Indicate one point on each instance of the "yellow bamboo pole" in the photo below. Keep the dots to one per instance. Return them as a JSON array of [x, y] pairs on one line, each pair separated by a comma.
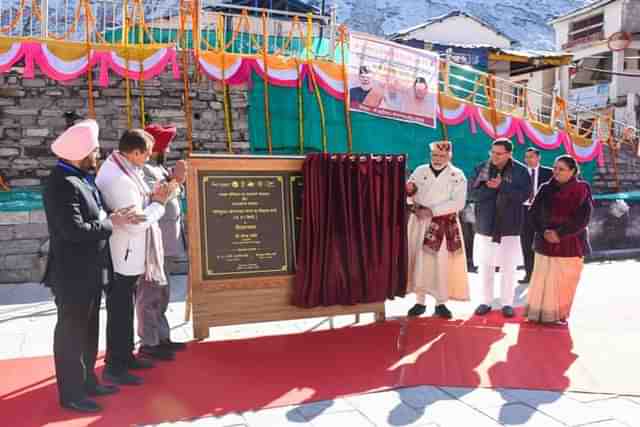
[[491, 94], [300, 108], [316, 89], [3, 185], [125, 45], [614, 152], [90, 101], [225, 86], [185, 76], [141, 62], [195, 31], [184, 51], [265, 56], [444, 69], [345, 82]]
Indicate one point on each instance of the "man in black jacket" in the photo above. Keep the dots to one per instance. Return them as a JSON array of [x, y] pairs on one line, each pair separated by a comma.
[[539, 175], [499, 187], [79, 263]]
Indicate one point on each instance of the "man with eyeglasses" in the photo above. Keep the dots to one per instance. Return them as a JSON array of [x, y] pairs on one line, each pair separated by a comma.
[[499, 187], [79, 264]]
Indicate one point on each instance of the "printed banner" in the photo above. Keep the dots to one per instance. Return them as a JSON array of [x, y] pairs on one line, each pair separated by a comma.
[[394, 81]]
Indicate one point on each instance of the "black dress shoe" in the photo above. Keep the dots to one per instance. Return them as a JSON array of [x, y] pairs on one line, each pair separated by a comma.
[[417, 310], [137, 363], [84, 405], [443, 311], [483, 309], [173, 346], [102, 390], [156, 352], [472, 269], [124, 378], [525, 279], [507, 311]]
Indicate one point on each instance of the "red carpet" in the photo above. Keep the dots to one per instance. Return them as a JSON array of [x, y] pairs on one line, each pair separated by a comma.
[[221, 377]]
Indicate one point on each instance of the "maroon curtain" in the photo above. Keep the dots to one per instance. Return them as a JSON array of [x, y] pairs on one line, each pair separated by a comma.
[[353, 239]]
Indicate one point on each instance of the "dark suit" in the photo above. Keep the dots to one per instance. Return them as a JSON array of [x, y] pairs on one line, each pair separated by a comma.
[[79, 266], [528, 233], [494, 218]]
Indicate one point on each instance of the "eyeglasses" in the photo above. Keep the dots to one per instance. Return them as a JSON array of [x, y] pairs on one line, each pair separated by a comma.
[[497, 153]]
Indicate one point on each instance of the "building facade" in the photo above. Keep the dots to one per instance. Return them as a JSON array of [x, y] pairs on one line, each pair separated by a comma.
[[604, 39]]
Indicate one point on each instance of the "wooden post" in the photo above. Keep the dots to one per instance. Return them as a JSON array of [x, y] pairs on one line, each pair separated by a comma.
[[345, 83], [265, 58], [125, 45], [91, 106], [141, 67]]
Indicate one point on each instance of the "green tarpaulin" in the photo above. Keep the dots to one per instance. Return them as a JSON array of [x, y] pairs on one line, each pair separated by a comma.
[[370, 134], [629, 195], [31, 199], [21, 200]]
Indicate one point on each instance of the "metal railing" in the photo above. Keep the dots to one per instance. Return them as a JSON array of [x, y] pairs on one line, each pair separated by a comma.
[[241, 30], [247, 30], [467, 84]]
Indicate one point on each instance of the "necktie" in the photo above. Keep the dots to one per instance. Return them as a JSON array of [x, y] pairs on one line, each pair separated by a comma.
[[533, 185]]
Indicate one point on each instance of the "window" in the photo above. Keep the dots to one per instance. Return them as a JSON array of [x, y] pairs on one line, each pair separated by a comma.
[[591, 28], [518, 93], [632, 60]]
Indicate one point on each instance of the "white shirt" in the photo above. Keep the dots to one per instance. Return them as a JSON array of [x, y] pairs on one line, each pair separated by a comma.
[[444, 194], [533, 173]]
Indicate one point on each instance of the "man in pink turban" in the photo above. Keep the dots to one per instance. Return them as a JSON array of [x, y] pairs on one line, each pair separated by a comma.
[[79, 265]]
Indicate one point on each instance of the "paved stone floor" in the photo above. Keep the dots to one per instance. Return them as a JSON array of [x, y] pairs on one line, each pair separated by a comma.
[[607, 298]]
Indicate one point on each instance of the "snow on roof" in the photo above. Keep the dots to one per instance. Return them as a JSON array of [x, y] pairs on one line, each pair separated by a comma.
[[444, 17], [596, 4]]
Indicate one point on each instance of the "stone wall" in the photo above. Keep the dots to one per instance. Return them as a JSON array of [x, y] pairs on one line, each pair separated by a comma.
[[23, 246], [628, 165], [32, 115], [631, 17]]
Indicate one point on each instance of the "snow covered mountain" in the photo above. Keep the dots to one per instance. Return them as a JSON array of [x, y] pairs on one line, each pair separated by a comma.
[[522, 20]]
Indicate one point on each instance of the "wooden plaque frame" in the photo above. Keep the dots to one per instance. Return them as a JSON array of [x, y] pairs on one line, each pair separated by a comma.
[[232, 301]]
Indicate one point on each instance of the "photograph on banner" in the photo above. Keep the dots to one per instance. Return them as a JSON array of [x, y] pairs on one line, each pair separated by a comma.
[[393, 81]]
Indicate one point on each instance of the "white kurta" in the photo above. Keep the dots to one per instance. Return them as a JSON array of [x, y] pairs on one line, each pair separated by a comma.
[[507, 253], [488, 255], [442, 275]]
